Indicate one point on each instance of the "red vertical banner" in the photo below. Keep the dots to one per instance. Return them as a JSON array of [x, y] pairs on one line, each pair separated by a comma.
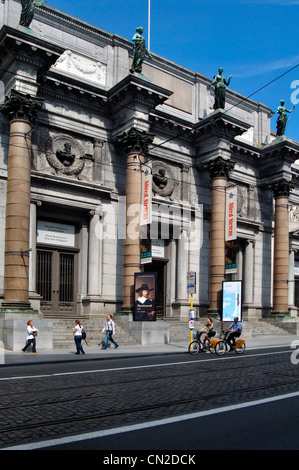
[[231, 214]]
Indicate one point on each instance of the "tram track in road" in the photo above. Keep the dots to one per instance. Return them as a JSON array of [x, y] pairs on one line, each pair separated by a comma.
[[41, 425], [59, 407], [203, 366]]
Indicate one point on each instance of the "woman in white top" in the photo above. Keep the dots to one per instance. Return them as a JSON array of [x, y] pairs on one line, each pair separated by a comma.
[[77, 330], [31, 335]]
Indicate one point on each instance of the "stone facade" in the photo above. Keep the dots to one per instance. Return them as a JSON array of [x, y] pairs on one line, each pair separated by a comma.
[[81, 177]]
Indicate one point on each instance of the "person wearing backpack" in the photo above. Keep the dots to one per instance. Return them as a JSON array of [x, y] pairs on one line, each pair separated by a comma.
[[77, 330], [109, 329]]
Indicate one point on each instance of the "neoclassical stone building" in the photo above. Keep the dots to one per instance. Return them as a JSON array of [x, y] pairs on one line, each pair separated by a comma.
[[78, 132]]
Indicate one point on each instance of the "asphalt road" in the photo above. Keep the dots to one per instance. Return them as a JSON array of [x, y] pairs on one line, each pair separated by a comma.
[[266, 426], [174, 402]]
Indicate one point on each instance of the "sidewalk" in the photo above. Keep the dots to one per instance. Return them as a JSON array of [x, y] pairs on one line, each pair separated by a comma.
[[62, 355]]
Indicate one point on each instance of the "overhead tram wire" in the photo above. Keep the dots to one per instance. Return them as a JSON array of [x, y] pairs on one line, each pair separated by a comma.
[[239, 102], [262, 88], [180, 133]]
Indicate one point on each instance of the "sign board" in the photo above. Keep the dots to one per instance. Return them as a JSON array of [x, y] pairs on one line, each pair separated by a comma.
[[191, 319], [191, 282], [52, 233], [158, 248], [231, 300]]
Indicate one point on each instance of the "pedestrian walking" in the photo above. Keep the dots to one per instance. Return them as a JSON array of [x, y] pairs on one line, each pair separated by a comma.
[[77, 330], [31, 337], [109, 329]]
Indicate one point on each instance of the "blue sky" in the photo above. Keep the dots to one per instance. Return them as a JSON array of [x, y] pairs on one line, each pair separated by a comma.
[[254, 40]]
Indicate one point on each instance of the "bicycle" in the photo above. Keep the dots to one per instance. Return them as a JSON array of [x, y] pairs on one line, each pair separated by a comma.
[[214, 345], [239, 347]]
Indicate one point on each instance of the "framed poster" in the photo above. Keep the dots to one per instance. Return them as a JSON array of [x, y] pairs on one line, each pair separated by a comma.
[[145, 297], [231, 300]]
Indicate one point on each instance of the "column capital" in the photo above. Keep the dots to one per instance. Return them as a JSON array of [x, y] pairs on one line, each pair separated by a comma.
[[135, 141], [22, 106], [281, 188], [219, 167]]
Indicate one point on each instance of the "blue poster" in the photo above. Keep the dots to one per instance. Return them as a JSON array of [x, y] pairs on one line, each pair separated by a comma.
[[232, 300]]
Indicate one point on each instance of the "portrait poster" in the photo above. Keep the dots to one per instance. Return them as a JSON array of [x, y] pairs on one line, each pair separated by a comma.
[[145, 297], [232, 300]]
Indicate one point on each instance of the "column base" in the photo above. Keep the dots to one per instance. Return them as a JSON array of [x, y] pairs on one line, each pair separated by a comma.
[[279, 314], [125, 311], [16, 307]]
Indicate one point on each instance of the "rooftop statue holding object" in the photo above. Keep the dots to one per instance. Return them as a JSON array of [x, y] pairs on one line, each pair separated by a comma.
[[220, 84], [27, 13], [140, 51], [282, 118]]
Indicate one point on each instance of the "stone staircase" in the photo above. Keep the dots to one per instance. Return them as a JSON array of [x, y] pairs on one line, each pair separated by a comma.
[[179, 332], [63, 337], [270, 327]]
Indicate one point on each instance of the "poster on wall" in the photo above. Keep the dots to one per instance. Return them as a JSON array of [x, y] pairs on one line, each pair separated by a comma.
[[145, 297], [145, 244], [231, 252], [231, 300]]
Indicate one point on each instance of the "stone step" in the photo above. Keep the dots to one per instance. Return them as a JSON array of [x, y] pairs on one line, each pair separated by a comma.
[[178, 330], [252, 329], [63, 337]]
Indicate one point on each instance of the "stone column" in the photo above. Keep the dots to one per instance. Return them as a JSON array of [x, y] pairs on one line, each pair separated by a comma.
[[248, 274], [135, 143], [21, 110], [98, 173], [182, 268], [95, 260], [281, 191], [32, 244], [219, 169], [291, 278]]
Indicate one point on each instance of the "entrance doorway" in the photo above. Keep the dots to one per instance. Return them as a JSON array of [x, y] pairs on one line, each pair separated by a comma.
[[159, 267], [55, 281]]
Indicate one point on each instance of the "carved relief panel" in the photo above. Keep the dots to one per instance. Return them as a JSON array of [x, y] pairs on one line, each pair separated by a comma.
[[164, 180], [65, 155]]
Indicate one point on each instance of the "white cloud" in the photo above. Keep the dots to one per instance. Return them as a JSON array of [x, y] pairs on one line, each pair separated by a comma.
[[285, 3], [252, 70]]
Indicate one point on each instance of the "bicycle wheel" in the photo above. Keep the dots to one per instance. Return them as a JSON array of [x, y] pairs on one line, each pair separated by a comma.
[[194, 348], [220, 348], [241, 349]]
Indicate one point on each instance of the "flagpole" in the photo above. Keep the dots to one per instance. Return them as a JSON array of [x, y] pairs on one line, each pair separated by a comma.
[[149, 26]]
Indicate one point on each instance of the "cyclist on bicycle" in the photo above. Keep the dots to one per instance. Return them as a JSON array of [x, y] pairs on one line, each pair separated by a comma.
[[236, 330], [210, 329]]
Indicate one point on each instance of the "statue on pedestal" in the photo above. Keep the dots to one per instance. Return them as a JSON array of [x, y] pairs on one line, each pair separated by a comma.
[[220, 84], [140, 51], [27, 13], [282, 118]]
